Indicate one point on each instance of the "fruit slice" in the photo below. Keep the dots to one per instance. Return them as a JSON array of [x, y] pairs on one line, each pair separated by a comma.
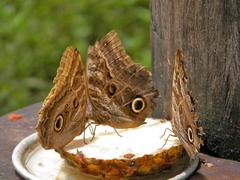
[[136, 152]]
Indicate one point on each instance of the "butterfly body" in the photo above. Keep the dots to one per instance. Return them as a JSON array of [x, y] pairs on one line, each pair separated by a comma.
[[114, 91], [63, 113], [184, 114], [114, 82]]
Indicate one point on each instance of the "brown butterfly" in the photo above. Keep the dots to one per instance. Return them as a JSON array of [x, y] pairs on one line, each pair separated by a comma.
[[115, 92], [184, 115]]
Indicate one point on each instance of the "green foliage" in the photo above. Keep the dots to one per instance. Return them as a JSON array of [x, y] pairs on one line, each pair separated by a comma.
[[34, 34]]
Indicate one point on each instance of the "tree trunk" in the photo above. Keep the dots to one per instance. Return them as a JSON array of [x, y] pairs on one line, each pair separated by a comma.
[[208, 33]]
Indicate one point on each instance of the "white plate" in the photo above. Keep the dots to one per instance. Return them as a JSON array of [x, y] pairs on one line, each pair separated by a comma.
[[33, 162]]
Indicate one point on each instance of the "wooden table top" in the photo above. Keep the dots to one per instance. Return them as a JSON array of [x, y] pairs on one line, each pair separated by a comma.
[[12, 132]]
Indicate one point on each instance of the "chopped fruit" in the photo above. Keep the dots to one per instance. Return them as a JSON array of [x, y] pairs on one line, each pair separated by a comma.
[[113, 157], [145, 165]]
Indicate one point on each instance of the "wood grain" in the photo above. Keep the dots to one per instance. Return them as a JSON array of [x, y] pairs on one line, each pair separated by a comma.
[[208, 33]]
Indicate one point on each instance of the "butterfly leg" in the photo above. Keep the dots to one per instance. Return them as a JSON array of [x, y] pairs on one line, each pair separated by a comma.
[[93, 132], [165, 132], [88, 126], [117, 132], [84, 139], [170, 135]]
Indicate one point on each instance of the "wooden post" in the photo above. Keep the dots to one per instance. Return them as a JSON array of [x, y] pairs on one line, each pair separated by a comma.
[[208, 33]]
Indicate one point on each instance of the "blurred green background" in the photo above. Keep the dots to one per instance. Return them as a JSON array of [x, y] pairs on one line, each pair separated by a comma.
[[34, 34]]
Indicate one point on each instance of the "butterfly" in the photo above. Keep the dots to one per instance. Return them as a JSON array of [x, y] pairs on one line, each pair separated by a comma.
[[184, 114], [113, 91]]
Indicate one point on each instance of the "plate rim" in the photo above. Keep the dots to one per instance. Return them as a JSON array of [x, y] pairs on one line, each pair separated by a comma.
[[18, 154], [22, 146]]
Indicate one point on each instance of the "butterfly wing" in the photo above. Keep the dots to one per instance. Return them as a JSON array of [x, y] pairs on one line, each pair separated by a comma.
[[184, 115], [121, 92], [63, 113]]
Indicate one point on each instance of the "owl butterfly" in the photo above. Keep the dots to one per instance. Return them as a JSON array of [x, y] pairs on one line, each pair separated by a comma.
[[114, 91], [184, 115]]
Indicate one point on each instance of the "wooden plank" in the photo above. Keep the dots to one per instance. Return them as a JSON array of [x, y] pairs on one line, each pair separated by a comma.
[[12, 132], [208, 33]]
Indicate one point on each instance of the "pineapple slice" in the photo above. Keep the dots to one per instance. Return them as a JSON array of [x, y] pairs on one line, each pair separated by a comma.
[[128, 153]]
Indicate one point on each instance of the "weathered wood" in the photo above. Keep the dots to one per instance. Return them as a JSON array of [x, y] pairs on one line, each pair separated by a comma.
[[12, 132], [208, 33]]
